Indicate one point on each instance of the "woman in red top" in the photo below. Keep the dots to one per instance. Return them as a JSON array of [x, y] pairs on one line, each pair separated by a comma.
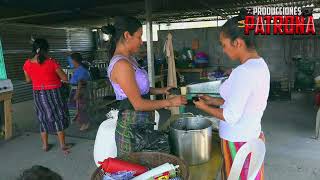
[[46, 75]]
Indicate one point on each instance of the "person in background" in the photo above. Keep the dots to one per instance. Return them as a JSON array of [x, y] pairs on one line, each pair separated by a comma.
[[81, 94], [39, 173], [131, 84], [46, 75], [244, 96]]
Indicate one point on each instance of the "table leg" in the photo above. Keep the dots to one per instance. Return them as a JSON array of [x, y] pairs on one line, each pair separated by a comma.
[[7, 119], [317, 124]]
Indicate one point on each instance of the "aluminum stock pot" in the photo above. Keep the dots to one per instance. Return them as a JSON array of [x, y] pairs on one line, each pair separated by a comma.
[[191, 139]]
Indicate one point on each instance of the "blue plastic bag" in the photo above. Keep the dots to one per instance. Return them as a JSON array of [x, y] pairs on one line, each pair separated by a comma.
[[126, 175], [69, 60]]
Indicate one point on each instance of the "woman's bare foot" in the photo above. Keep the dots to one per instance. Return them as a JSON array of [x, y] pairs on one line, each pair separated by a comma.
[[66, 148], [47, 147]]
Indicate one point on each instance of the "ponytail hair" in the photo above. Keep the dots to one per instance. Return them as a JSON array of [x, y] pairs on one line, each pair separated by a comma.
[[233, 29], [40, 47], [116, 31]]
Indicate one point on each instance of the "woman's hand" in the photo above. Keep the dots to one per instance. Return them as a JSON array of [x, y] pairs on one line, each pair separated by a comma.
[[177, 101], [207, 99], [201, 104], [62, 75], [158, 91], [166, 90], [216, 112], [211, 101]]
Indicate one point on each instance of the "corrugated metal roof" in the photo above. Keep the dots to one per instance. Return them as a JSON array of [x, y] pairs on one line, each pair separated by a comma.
[[162, 10]]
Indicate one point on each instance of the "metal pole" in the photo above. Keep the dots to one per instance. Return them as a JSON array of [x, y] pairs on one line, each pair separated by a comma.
[[148, 7]]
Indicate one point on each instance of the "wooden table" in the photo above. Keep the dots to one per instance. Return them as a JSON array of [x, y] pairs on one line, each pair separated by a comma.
[[209, 170], [191, 70], [6, 98]]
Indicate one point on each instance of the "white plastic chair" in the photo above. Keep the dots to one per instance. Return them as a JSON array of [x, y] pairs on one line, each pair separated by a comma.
[[257, 149]]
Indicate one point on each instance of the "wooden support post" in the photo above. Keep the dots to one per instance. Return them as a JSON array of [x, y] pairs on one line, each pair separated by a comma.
[[6, 98]]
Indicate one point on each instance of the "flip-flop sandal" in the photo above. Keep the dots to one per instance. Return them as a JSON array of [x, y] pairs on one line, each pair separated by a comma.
[[48, 148], [67, 147]]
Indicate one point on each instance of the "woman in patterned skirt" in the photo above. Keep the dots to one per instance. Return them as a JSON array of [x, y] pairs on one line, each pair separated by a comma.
[[46, 75], [131, 84], [81, 94], [244, 96]]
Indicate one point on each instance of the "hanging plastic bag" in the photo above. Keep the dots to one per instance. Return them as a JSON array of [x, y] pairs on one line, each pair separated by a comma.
[[145, 138], [105, 144], [119, 175]]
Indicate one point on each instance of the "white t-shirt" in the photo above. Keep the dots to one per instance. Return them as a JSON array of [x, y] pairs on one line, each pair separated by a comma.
[[245, 93]]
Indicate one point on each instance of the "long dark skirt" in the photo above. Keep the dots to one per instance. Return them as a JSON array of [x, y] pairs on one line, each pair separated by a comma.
[[72, 104], [79, 107], [52, 110]]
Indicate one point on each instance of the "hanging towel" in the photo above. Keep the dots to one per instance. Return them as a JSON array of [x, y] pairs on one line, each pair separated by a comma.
[[172, 77]]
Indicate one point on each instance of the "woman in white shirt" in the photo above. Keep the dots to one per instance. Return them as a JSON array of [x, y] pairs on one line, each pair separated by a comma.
[[244, 96]]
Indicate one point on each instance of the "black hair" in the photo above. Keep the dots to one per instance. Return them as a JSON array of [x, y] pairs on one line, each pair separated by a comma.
[[121, 25], [234, 29], [78, 58], [39, 173], [40, 47]]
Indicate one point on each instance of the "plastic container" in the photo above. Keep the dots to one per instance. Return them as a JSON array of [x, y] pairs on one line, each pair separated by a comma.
[[113, 165], [167, 170], [69, 60], [201, 55]]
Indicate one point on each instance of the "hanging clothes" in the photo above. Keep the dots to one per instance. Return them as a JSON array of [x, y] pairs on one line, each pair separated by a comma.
[[172, 77]]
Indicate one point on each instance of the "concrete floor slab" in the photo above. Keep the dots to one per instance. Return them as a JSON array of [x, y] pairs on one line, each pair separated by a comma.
[[25, 151], [292, 153]]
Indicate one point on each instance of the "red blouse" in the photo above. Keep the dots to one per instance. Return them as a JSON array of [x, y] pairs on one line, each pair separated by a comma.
[[43, 76]]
